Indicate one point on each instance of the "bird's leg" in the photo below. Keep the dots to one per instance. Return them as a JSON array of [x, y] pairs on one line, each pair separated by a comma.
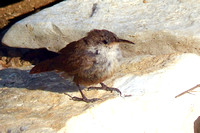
[[104, 87], [84, 98]]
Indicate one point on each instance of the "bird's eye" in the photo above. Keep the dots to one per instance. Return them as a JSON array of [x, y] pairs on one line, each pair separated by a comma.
[[105, 42]]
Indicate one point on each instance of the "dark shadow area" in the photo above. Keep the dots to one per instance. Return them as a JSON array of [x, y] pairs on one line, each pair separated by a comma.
[[37, 55], [34, 56], [48, 81], [8, 2], [197, 125]]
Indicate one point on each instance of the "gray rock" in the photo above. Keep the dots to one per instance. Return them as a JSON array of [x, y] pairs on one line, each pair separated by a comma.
[[174, 23]]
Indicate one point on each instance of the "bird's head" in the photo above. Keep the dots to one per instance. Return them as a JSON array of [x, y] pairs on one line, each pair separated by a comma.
[[105, 37]]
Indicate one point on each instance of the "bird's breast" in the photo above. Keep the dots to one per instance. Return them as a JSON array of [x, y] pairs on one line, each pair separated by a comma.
[[107, 60]]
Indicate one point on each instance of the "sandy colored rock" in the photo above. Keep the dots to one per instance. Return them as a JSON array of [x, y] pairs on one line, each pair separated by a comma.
[[13, 62], [153, 108], [33, 111], [36, 103]]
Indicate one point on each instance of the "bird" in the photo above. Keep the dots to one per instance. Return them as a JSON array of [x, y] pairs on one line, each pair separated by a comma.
[[90, 60]]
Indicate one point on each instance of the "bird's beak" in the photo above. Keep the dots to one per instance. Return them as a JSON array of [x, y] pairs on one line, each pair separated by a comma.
[[121, 41]]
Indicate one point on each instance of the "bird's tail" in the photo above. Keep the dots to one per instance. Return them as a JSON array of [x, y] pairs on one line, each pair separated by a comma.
[[44, 66]]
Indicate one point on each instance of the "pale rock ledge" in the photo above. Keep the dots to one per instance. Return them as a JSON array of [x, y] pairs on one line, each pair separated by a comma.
[[152, 108]]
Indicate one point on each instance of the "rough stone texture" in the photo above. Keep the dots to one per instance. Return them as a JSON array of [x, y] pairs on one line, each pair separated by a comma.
[[13, 62], [158, 27], [36, 103], [152, 81], [154, 70]]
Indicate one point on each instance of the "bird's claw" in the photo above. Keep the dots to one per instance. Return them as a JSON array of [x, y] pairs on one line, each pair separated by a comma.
[[104, 87], [83, 99]]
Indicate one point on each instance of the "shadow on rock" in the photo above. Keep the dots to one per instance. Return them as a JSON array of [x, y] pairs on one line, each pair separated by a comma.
[[8, 2], [49, 81]]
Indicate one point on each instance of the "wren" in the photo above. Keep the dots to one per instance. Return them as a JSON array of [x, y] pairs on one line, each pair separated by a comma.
[[90, 60]]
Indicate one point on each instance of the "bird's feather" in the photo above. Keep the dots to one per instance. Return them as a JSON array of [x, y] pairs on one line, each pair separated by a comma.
[[71, 59]]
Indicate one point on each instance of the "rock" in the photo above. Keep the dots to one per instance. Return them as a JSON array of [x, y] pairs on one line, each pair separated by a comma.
[[13, 62], [153, 82], [157, 27], [154, 72]]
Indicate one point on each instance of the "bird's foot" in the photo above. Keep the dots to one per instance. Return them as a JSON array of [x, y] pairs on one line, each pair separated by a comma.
[[84, 99], [104, 87]]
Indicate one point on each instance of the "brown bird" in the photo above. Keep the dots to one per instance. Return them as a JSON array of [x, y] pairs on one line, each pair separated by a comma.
[[89, 61]]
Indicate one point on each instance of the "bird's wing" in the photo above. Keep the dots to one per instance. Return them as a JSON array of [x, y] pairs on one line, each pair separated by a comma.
[[73, 47], [71, 59], [69, 48], [69, 63], [74, 58], [74, 63]]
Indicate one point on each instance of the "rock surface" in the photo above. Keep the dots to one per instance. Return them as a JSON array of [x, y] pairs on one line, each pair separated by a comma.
[[153, 83], [157, 27], [155, 70], [11, 9]]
